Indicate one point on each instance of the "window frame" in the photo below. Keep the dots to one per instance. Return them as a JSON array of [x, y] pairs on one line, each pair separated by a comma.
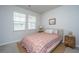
[[19, 21], [32, 22]]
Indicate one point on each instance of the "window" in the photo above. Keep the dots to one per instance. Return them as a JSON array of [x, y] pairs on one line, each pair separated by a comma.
[[31, 22], [19, 21]]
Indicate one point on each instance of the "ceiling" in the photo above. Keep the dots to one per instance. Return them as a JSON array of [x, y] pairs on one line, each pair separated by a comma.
[[39, 8]]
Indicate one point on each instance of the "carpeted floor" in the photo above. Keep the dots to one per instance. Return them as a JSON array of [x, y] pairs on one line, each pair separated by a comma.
[[13, 48], [9, 48]]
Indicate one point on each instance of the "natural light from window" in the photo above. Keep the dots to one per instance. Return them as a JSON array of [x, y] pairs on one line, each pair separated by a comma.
[[31, 22], [19, 21]]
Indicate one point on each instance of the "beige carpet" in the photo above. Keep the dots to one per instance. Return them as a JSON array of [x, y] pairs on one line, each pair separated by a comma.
[[59, 49]]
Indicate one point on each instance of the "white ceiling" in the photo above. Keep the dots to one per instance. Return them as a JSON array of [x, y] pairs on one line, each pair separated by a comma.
[[39, 8]]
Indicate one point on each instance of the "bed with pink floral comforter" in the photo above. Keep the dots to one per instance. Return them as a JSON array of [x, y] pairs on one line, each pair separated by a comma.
[[40, 42]]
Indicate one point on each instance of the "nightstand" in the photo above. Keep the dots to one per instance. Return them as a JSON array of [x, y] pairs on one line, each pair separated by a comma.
[[40, 31], [69, 41]]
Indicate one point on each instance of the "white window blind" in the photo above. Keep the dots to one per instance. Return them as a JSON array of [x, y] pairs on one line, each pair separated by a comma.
[[19, 21], [31, 22]]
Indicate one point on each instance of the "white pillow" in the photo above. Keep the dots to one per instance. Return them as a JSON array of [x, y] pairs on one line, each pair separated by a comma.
[[51, 31]]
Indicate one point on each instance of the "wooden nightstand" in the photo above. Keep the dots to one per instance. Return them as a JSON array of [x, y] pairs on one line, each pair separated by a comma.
[[69, 41]]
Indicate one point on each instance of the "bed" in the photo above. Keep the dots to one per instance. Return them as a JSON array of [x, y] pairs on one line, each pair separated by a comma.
[[43, 42]]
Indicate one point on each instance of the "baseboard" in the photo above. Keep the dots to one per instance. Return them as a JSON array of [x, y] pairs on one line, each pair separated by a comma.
[[9, 42]]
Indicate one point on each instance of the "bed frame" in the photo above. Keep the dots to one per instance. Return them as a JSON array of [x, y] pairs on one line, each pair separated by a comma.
[[23, 50]]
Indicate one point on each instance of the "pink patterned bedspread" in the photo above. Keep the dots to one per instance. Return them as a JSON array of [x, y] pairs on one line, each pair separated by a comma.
[[39, 42]]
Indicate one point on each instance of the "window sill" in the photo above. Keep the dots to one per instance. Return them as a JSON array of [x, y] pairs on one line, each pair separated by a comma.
[[17, 30]]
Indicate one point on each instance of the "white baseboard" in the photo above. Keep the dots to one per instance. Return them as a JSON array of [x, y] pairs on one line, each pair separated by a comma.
[[9, 42]]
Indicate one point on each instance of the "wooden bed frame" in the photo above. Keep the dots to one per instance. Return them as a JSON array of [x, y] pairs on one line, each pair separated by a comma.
[[20, 48]]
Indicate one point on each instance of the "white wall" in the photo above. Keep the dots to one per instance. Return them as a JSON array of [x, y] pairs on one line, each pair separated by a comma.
[[67, 18], [6, 24]]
